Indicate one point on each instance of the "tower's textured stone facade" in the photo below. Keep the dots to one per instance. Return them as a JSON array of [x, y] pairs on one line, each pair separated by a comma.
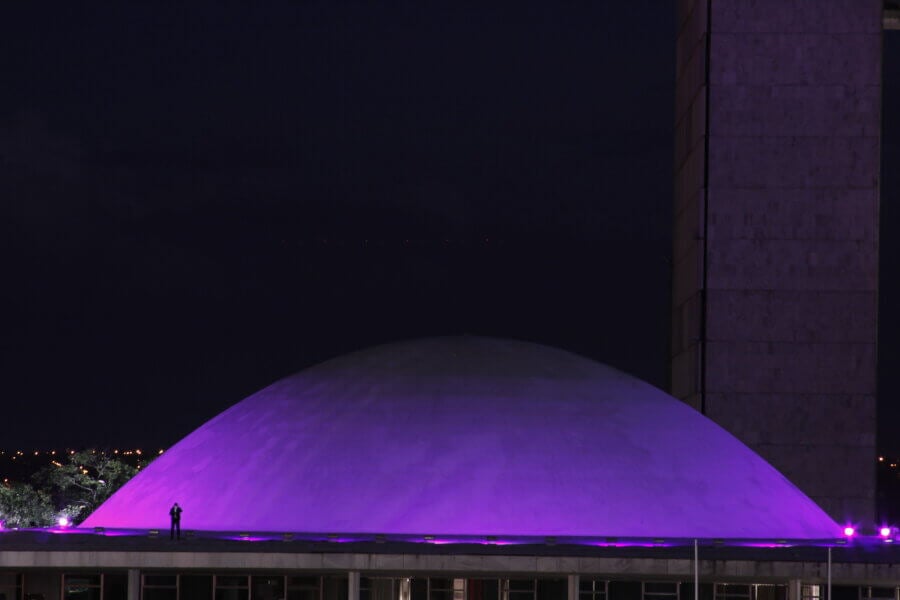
[[776, 234]]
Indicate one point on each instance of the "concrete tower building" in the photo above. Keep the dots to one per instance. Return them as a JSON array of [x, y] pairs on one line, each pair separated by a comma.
[[776, 234]]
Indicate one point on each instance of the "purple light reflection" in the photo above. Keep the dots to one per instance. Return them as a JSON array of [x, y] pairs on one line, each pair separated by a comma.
[[875, 539], [250, 538], [65, 530], [122, 533]]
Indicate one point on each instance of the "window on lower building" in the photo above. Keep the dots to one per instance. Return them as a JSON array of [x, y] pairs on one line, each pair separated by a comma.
[[659, 590], [334, 588], [115, 586], [810, 592], [624, 590], [159, 586], [231, 587], [446, 589], [305, 587], [593, 589], [764, 591], [81, 586], [418, 588], [379, 588], [732, 591], [482, 589], [519, 589], [877, 593], [267, 587], [10, 586], [195, 586], [552, 589]]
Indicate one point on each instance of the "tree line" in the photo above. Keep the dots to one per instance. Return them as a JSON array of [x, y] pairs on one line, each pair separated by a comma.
[[70, 490]]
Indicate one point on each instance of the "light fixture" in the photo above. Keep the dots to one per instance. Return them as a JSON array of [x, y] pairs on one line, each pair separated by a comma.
[[849, 531]]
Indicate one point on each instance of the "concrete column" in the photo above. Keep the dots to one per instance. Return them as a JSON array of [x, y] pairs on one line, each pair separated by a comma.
[[775, 281], [134, 584], [574, 581], [794, 589], [353, 585]]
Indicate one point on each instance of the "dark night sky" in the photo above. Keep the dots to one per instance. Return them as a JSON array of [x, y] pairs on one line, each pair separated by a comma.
[[198, 201]]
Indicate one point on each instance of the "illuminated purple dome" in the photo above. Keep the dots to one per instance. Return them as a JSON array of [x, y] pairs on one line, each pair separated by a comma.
[[466, 436]]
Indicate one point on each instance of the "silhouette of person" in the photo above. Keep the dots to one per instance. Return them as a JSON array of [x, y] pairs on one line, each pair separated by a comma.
[[175, 514]]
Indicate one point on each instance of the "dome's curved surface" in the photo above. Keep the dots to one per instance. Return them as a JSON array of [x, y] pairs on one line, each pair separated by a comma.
[[466, 436]]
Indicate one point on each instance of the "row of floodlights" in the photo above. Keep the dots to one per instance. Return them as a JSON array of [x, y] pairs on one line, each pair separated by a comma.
[[885, 532]]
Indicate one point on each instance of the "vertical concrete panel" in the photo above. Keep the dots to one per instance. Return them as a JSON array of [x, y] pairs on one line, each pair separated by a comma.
[[690, 198], [572, 583], [134, 584], [775, 277], [353, 585]]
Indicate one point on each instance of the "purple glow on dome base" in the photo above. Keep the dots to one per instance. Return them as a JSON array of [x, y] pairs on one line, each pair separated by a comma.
[[466, 437], [870, 542]]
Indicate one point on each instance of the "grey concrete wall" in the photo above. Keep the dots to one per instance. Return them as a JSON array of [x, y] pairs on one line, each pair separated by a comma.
[[776, 234], [48, 566]]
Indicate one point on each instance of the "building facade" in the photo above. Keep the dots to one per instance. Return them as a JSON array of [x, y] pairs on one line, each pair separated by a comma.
[[776, 234], [97, 567]]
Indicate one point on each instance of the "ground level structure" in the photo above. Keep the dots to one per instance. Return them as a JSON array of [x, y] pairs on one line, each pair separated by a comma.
[[118, 565]]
